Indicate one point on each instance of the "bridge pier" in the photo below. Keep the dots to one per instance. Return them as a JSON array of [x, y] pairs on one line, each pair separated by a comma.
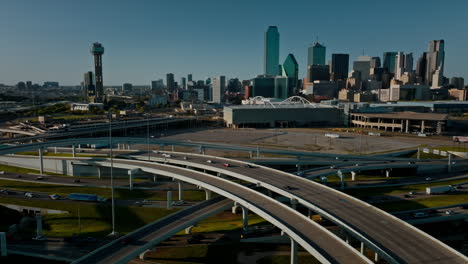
[[3, 245], [342, 179], [41, 161], [181, 191], [353, 176], [74, 151], [449, 167], [387, 173], [362, 248], [293, 251], [143, 254], [376, 257], [245, 217], [155, 178], [99, 172], [131, 175], [39, 224], [188, 230], [207, 194], [169, 199]]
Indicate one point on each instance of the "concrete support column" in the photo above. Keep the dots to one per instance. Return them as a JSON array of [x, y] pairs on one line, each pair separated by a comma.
[[234, 208], [173, 148], [407, 126], [376, 257], [419, 154], [293, 252], [245, 218], [169, 199], [309, 213], [422, 126], [353, 175], [342, 179], [143, 254], [55, 150], [362, 248], [41, 162], [39, 224], [449, 167], [387, 173], [181, 191], [99, 172], [251, 154], [347, 239], [131, 175], [188, 230], [155, 178], [3, 244], [118, 147], [74, 151], [207, 194]]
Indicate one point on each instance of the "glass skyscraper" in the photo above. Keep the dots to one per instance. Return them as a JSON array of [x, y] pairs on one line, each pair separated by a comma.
[[271, 60], [291, 68], [316, 54], [339, 66], [389, 61]]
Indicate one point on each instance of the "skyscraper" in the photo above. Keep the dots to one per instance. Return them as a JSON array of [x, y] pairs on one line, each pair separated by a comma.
[[170, 82], [403, 63], [362, 65], [97, 50], [271, 59], [435, 57], [88, 86], [219, 87], [183, 83], [291, 68], [339, 66], [389, 61], [316, 54], [157, 85], [421, 68], [189, 77], [375, 62]]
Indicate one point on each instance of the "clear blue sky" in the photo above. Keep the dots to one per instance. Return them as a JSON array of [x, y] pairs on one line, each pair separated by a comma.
[[43, 40]]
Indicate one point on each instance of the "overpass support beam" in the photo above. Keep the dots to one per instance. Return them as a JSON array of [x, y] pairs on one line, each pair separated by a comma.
[[169, 199], [245, 217], [449, 167], [39, 224], [131, 175], [181, 191], [293, 252], [41, 161], [143, 254], [207, 194], [353, 175], [74, 150], [3, 245]]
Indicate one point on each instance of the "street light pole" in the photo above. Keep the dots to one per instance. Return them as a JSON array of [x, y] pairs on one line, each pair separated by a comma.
[[148, 138], [112, 174]]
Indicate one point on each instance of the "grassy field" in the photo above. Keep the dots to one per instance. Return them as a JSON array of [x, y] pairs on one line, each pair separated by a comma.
[[95, 218], [399, 189], [226, 222], [105, 192], [435, 201]]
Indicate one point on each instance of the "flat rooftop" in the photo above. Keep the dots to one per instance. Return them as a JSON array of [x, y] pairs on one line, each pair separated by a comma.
[[406, 115]]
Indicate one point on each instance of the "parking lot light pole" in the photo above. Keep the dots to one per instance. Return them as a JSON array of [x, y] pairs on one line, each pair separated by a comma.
[[112, 175]]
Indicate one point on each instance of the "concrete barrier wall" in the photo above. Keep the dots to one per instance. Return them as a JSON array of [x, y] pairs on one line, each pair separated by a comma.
[[33, 162]]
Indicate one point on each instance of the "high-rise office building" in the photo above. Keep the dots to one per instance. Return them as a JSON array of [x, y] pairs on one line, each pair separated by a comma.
[[263, 85], [435, 57], [403, 63], [157, 85], [291, 68], [170, 84], [339, 66], [271, 58], [317, 72], [375, 62], [88, 86], [183, 83], [389, 61], [421, 68], [28, 85], [363, 65], [189, 77], [316, 54], [97, 50], [21, 86], [219, 88]]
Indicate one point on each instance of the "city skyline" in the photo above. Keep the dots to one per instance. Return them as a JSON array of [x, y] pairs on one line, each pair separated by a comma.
[[138, 51]]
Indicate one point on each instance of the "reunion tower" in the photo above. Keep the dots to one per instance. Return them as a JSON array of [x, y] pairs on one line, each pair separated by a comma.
[[97, 50]]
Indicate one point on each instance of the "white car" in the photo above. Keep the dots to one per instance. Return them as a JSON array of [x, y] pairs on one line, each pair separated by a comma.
[[29, 195], [54, 196], [428, 179], [209, 161]]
